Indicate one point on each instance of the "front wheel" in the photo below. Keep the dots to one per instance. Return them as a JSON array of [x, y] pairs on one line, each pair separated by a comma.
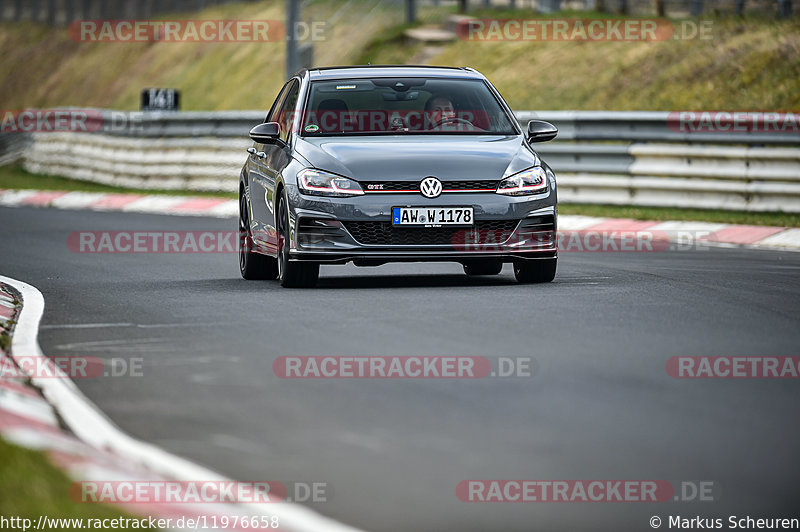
[[535, 271], [292, 274]]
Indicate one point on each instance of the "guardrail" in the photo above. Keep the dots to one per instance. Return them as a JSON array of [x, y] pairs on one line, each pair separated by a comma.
[[628, 158]]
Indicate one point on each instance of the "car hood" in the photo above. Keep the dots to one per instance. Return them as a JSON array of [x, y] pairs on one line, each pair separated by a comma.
[[410, 158]]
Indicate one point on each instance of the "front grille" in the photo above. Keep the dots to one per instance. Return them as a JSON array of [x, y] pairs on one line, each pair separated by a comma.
[[390, 186], [385, 234], [413, 186], [470, 185]]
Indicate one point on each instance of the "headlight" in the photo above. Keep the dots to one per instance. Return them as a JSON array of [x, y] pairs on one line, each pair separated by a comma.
[[319, 183], [530, 181]]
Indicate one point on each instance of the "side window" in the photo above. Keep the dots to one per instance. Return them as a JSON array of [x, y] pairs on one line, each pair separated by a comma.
[[272, 115], [288, 116]]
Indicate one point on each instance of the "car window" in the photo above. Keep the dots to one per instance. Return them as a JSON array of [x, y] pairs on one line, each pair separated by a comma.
[[272, 115], [404, 105], [287, 113]]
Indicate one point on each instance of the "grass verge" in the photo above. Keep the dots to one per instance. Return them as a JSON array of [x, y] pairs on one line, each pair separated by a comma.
[[33, 487], [17, 178], [747, 63], [780, 219]]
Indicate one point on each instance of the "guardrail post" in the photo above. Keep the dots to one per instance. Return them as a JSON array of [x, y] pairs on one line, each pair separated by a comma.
[[696, 8], [785, 8], [69, 11], [411, 11], [292, 16]]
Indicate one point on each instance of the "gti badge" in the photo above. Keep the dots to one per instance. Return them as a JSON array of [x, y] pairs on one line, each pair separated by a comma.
[[430, 187]]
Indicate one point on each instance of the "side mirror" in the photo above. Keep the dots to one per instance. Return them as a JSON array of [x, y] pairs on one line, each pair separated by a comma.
[[265, 132], [541, 131]]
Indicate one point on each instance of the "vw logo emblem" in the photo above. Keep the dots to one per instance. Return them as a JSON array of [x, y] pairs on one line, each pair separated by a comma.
[[430, 187]]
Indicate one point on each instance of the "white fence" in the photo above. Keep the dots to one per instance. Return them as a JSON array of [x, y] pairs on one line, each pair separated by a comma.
[[625, 158], [174, 163]]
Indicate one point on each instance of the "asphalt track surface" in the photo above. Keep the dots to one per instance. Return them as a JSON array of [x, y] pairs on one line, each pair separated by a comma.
[[600, 404]]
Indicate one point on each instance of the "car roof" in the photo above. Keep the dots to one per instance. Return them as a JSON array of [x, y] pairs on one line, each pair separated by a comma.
[[371, 71]]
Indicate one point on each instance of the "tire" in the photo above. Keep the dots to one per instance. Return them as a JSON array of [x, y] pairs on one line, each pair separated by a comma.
[[252, 265], [292, 274], [489, 267], [535, 271]]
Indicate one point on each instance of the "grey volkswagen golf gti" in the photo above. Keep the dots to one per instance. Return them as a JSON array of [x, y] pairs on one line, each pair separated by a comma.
[[382, 164]]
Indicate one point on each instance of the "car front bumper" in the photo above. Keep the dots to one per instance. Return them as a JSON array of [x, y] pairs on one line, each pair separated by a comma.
[[518, 228]]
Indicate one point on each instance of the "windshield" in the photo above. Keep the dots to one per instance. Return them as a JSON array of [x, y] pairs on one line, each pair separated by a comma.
[[403, 105]]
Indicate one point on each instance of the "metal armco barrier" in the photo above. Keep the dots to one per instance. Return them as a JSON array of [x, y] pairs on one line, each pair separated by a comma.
[[624, 158]]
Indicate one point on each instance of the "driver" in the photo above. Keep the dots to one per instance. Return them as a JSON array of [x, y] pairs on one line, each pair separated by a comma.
[[439, 109]]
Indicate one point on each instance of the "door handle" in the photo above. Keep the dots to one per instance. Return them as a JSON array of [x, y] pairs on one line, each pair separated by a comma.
[[251, 151]]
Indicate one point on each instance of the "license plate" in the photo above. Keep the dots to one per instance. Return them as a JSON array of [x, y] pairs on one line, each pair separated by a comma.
[[432, 217]]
